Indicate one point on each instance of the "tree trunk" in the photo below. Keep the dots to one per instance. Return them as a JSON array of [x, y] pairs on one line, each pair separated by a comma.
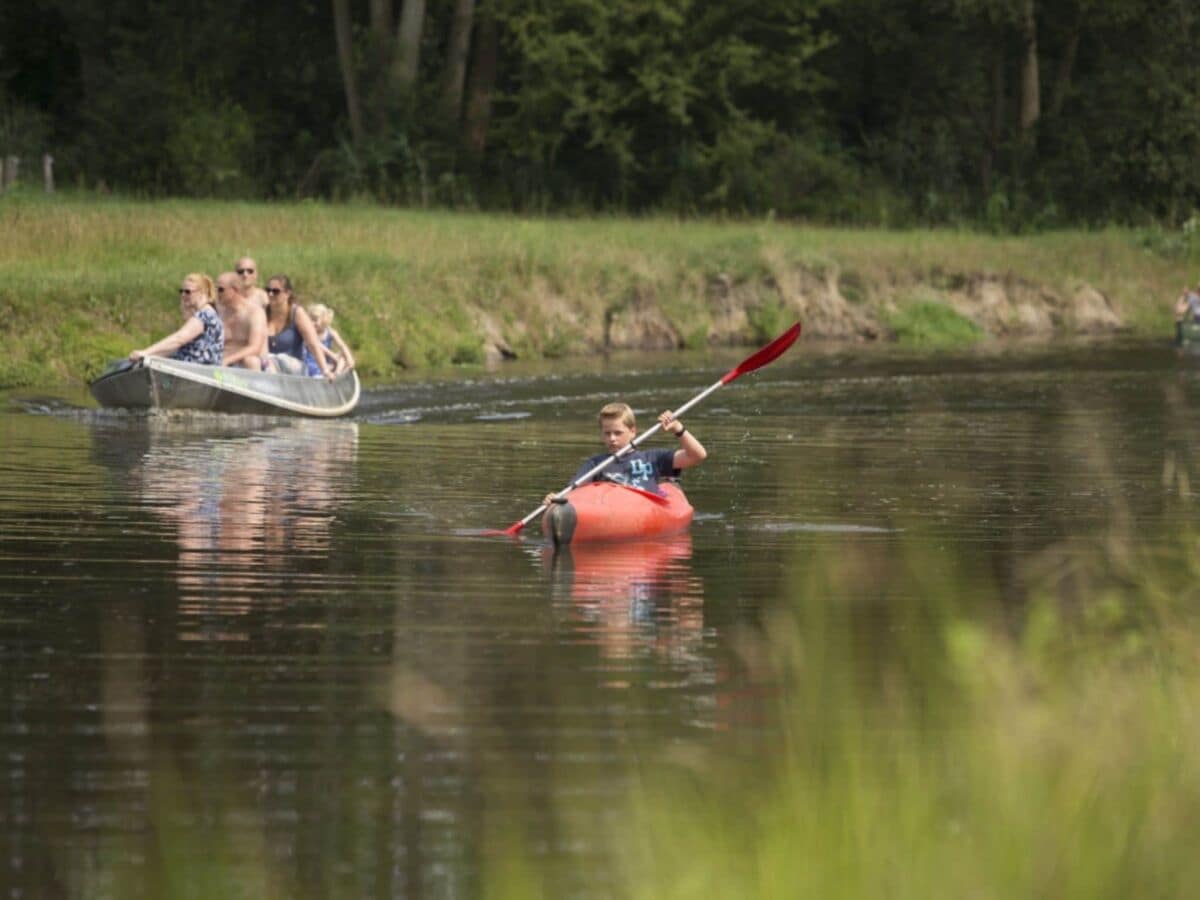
[[995, 126], [381, 20], [456, 59], [408, 42], [345, 51], [485, 53], [1062, 83], [1030, 110]]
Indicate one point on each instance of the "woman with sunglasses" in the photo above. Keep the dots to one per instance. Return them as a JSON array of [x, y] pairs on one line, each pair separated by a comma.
[[289, 331], [201, 338]]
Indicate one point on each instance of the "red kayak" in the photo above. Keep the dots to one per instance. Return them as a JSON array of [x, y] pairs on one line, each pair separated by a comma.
[[606, 511]]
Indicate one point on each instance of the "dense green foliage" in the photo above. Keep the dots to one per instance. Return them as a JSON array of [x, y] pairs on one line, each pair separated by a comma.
[[1013, 113]]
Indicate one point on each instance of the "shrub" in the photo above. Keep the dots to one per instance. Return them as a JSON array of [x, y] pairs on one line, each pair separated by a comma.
[[928, 323]]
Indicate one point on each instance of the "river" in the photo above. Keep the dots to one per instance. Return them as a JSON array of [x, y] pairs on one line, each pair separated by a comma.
[[288, 647]]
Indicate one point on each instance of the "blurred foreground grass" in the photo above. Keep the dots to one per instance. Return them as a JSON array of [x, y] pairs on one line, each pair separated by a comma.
[[83, 279], [972, 748]]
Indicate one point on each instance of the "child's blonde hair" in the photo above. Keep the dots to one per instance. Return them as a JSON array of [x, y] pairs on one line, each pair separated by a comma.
[[321, 315], [621, 411]]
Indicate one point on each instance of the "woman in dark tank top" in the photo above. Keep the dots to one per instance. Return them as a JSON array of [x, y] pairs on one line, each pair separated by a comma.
[[289, 329]]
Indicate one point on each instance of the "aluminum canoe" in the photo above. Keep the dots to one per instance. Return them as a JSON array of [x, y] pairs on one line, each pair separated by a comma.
[[160, 383]]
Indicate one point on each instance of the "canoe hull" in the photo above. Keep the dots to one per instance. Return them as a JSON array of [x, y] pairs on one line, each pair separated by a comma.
[[160, 383], [604, 511]]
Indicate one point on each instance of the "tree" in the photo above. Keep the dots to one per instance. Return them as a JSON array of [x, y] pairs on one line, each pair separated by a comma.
[[345, 53], [1031, 87], [408, 43], [455, 71]]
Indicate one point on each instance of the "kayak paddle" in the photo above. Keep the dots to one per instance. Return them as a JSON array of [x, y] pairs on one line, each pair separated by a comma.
[[757, 360]]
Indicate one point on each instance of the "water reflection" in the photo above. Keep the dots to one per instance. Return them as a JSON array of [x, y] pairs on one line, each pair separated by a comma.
[[274, 645], [631, 599], [243, 509]]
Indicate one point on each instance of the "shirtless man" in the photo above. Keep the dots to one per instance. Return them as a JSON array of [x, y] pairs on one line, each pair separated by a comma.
[[247, 270], [245, 324]]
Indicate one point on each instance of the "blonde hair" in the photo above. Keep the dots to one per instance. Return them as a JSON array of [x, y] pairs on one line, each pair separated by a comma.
[[321, 315], [622, 411], [205, 283]]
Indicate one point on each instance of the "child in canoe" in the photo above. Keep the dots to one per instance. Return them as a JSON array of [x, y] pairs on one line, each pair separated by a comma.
[[337, 353], [640, 468]]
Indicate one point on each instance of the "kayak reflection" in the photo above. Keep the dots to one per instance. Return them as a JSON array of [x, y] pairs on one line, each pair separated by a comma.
[[631, 597]]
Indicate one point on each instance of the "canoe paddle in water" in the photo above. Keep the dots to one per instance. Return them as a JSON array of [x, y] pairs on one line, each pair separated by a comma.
[[757, 360]]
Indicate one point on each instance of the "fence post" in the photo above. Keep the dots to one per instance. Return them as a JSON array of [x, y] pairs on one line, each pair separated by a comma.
[[48, 172]]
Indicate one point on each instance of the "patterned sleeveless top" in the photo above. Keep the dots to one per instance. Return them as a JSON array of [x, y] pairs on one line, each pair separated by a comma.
[[209, 347]]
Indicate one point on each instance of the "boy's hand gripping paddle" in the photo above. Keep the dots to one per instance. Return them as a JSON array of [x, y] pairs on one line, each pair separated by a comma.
[[757, 360]]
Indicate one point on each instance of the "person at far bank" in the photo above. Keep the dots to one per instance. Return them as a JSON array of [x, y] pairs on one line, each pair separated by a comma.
[[201, 338], [247, 270], [640, 468], [1187, 310], [245, 324]]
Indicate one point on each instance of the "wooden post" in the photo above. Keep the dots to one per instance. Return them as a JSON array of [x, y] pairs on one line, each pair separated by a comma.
[[48, 172], [10, 171]]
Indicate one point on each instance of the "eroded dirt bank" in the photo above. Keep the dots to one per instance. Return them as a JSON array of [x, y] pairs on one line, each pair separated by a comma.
[[723, 311]]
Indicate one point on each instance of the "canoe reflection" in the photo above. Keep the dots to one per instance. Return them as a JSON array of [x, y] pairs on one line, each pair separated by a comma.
[[631, 597], [252, 512]]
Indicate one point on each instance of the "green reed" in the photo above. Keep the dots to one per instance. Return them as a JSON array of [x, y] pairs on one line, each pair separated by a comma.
[[86, 278], [937, 742]]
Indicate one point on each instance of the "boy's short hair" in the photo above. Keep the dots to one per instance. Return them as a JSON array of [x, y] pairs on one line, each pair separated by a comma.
[[621, 411]]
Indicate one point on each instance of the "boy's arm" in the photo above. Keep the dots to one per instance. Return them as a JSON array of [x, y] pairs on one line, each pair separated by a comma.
[[691, 452], [590, 463]]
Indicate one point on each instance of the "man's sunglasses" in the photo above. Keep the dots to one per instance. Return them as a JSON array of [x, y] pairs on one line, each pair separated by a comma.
[[245, 271]]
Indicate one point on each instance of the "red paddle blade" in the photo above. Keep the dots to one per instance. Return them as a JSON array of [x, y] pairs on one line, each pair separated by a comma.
[[767, 354], [511, 531]]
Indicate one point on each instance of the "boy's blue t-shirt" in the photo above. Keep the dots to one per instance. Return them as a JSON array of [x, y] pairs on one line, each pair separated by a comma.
[[641, 468]]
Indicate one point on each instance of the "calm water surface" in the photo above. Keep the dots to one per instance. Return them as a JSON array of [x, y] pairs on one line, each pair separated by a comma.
[[287, 646]]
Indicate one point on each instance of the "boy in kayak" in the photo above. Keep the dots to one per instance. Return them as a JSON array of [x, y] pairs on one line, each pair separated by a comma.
[[639, 468]]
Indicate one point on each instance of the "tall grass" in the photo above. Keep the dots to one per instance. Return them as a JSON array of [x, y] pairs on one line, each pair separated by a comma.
[[965, 749], [86, 278]]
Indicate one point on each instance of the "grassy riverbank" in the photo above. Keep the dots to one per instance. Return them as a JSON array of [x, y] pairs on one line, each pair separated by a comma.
[[85, 279]]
